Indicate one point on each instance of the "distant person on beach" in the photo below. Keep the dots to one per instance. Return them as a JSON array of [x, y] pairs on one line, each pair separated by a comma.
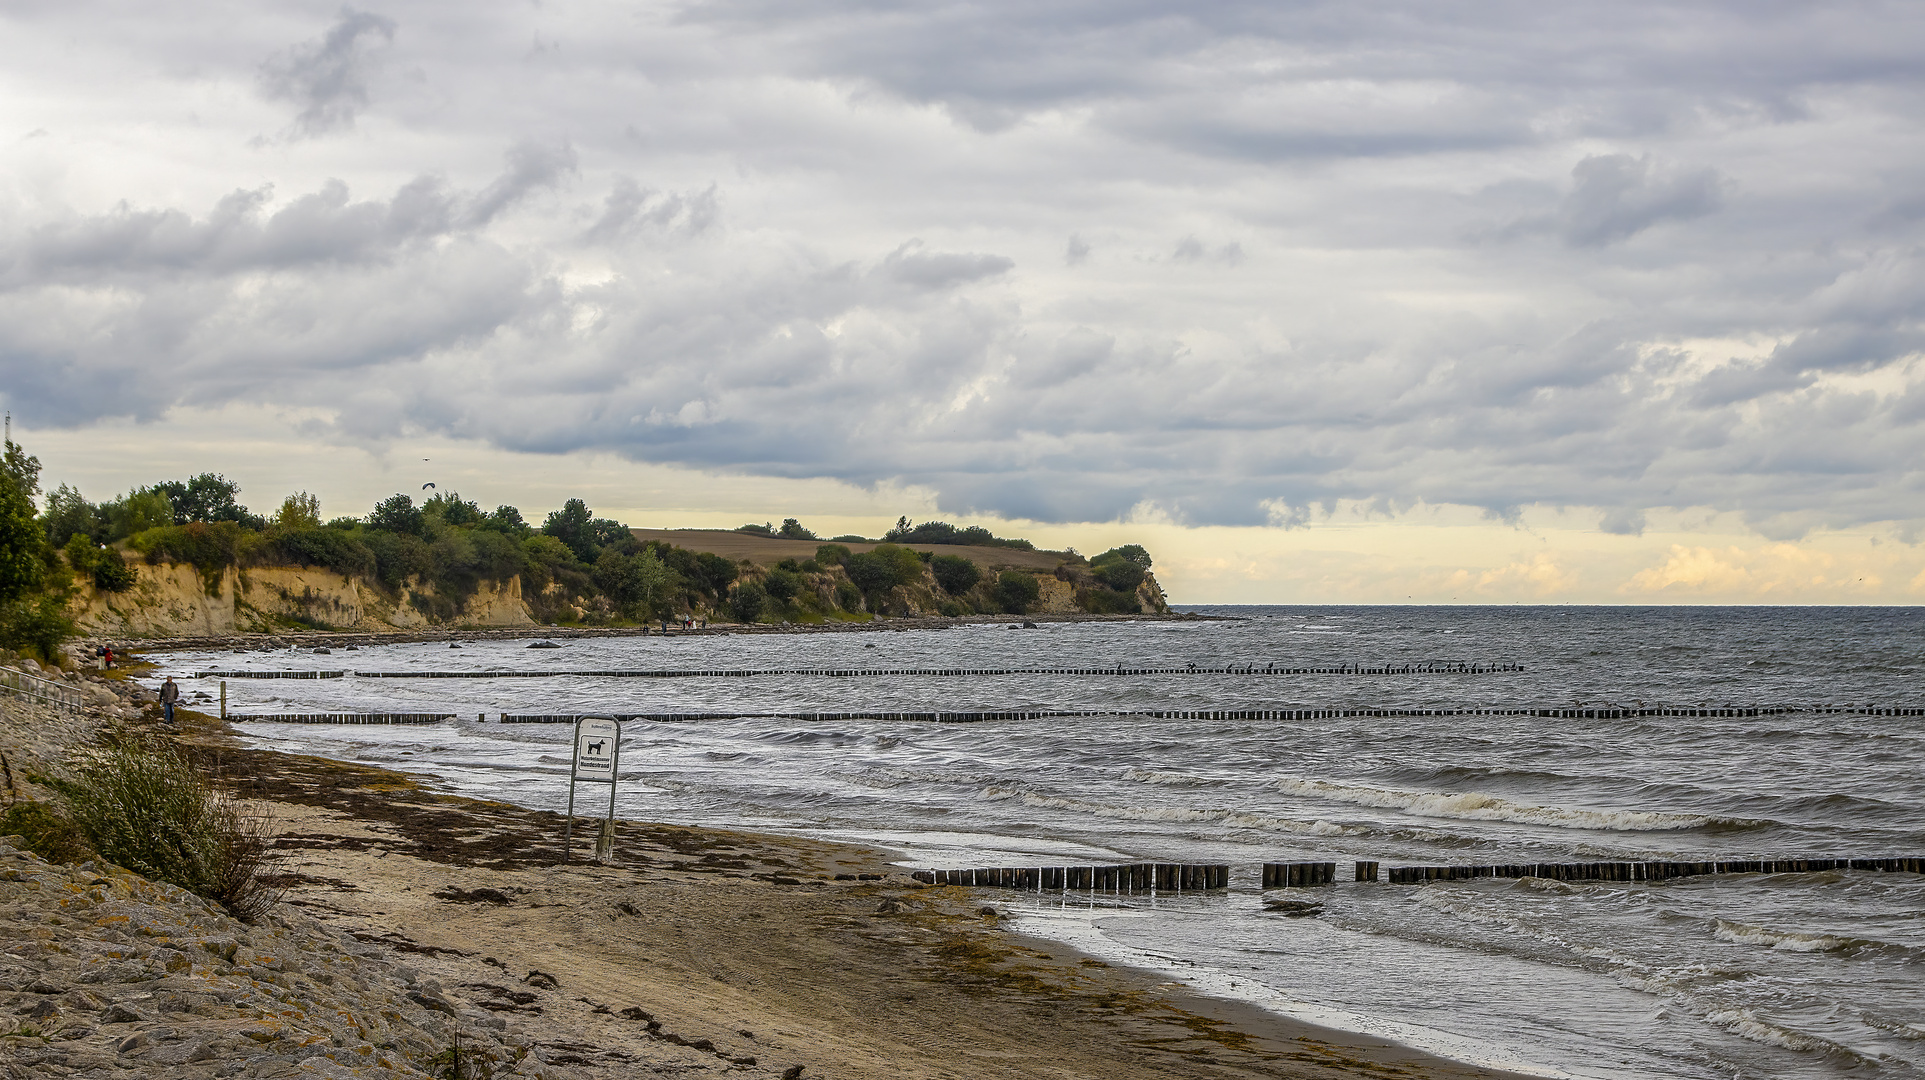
[[100, 657], [169, 694], [109, 650]]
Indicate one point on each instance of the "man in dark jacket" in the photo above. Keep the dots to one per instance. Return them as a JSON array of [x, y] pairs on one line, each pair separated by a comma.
[[169, 694]]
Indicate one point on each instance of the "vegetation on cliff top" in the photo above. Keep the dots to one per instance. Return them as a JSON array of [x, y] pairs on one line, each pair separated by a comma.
[[574, 567]]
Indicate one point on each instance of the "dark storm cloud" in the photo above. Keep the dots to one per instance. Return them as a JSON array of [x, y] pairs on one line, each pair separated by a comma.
[[1626, 258]]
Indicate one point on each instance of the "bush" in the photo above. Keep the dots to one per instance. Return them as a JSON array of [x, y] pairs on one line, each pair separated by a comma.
[[397, 514], [47, 833], [149, 810], [338, 551], [111, 572], [208, 547], [784, 585], [1119, 574], [792, 530], [1132, 553], [848, 597], [747, 602], [955, 574], [952, 609], [832, 555], [1107, 602], [36, 626], [1017, 590]]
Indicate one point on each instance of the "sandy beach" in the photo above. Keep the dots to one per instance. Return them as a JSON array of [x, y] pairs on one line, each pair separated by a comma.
[[697, 950]]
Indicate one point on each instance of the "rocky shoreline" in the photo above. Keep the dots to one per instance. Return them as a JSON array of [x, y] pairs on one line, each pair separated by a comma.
[[82, 649]]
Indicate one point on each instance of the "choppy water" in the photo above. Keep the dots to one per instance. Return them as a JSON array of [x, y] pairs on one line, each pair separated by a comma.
[[1813, 975]]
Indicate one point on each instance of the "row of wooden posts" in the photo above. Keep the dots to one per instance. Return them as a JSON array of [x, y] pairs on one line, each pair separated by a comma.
[[1126, 878], [1200, 877], [972, 717], [860, 673]]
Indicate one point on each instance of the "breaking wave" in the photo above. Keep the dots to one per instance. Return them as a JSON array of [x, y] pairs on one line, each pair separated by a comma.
[[1237, 819], [1478, 806]]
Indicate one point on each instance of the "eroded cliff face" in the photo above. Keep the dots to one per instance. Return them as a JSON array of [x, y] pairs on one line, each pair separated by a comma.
[[172, 600]]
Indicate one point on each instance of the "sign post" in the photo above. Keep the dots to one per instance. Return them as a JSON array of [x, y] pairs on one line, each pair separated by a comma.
[[597, 760]]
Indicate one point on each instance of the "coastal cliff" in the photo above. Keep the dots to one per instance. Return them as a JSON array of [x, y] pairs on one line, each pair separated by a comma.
[[178, 600]]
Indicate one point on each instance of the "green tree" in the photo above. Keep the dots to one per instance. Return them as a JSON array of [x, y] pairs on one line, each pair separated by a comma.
[[747, 602], [451, 509], [638, 584], [570, 525], [22, 540], [299, 511], [397, 514], [1130, 553], [832, 555], [784, 585], [138, 511], [208, 497], [955, 574], [1017, 591], [69, 514], [1119, 574], [793, 530]]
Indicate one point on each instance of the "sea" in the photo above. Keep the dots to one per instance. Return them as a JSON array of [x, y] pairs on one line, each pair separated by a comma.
[[1785, 975]]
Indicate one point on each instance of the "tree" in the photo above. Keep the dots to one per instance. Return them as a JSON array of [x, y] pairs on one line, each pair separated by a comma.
[[1017, 591], [747, 602], [1119, 574], [784, 585], [451, 509], [299, 511], [22, 540], [638, 584], [207, 497], [137, 511], [1131, 553], [22, 470], [570, 525], [793, 530], [831, 554], [955, 574], [397, 514], [69, 514]]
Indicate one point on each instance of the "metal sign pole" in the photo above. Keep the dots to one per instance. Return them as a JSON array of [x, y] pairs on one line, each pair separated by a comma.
[[598, 749]]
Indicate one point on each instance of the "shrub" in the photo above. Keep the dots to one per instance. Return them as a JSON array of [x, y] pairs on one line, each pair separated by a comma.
[[955, 574], [747, 602], [1017, 590], [952, 609], [398, 514], [832, 555], [1132, 553], [36, 626], [793, 530], [338, 551], [149, 810], [1107, 602], [848, 597], [47, 833], [1119, 574], [210, 547], [783, 584], [111, 572]]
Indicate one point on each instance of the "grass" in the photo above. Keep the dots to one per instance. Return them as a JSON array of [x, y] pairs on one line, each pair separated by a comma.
[[147, 808]]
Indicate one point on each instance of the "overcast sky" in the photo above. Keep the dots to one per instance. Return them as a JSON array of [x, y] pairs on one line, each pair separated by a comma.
[[1640, 271]]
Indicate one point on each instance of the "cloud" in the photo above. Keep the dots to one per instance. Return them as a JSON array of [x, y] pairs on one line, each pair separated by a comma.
[[328, 79], [1774, 572], [1553, 258]]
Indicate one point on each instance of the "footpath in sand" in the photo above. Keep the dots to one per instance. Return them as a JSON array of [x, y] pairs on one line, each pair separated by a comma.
[[419, 929]]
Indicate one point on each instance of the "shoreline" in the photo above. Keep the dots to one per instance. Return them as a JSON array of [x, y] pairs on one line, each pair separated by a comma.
[[264, 641], [714, 949], [884, 943]]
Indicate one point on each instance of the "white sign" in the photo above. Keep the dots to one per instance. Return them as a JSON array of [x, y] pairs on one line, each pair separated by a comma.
[[596, 742]]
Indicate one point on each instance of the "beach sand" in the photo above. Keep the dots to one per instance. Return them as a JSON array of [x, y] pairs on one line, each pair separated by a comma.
[[746, 944]]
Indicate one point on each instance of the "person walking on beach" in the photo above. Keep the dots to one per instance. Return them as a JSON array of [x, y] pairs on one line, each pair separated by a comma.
[[109, 651], [169, 694]]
